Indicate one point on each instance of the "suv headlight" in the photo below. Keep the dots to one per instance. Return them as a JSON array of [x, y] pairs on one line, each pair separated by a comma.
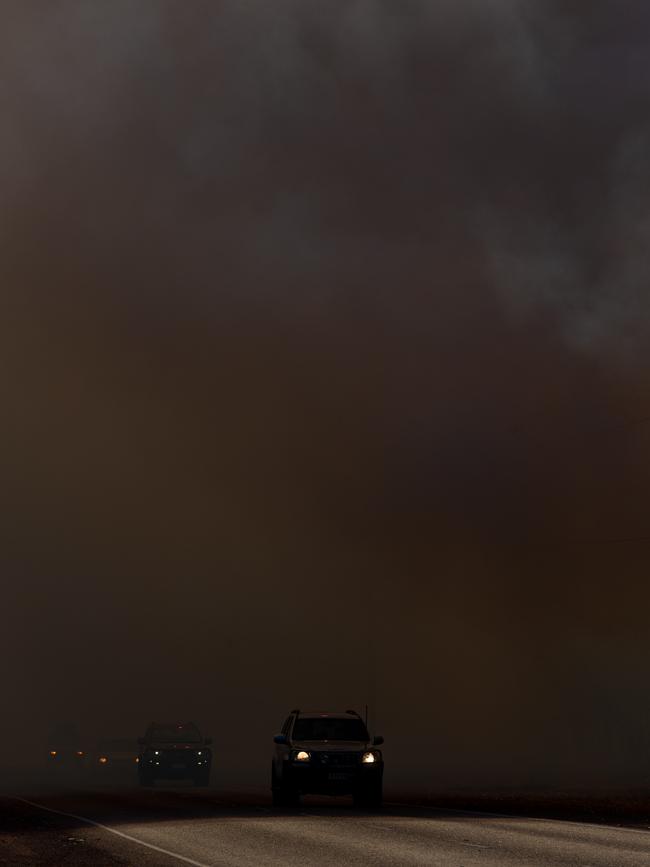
[[301, 756], [370, 758]]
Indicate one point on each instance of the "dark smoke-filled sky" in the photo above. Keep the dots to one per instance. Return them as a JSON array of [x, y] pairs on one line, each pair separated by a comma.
[[325, 375]]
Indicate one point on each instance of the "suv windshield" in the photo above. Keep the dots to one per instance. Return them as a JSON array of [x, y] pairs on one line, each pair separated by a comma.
[[175, 734], [329, 729]]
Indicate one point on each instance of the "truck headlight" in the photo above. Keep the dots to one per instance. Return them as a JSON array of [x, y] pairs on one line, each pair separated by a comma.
[[368, 758], [301, 756]]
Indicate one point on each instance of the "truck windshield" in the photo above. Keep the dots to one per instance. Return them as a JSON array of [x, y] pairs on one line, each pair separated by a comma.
[[175, 734], [329, 729]]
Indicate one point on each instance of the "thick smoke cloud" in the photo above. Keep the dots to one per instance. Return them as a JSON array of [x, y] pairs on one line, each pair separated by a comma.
[[324, 331]]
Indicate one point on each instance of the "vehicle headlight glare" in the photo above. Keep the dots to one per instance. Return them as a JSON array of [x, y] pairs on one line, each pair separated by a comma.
[[302, 756], [368, 758]]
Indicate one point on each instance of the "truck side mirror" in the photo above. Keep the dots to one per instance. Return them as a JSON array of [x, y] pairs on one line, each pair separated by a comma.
[[280, 739], [378, 740]]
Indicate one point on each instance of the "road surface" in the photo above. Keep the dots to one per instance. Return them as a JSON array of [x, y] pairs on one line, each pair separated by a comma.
[[166, 827]]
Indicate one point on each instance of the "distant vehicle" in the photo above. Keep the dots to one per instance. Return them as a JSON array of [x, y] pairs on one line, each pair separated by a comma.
[[115, 757], [174, 751], [64, 747], [327, 754]]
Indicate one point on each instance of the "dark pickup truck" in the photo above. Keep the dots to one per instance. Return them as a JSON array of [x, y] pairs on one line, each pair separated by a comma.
[[174, 751]]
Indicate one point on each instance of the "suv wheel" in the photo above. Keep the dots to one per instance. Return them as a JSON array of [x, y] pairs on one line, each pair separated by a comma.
[[283, 795]]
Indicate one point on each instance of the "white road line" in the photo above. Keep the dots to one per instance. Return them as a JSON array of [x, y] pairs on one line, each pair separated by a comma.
[[113, 831]]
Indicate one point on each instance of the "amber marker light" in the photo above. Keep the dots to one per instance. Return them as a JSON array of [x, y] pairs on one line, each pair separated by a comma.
[[103, 760]]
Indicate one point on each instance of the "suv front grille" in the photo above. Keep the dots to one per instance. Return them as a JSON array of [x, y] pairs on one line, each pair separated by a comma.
[[338, 759]]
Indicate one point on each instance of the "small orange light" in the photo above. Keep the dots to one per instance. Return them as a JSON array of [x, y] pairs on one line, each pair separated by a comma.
[[80, 752], [137, 759], [52, 752], [103, 760]]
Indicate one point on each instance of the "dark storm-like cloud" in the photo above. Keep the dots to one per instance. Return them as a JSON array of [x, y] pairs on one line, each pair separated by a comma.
[[297, 137], [566, 232]]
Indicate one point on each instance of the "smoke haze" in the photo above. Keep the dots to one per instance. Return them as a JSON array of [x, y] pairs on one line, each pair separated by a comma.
[[325, 376]]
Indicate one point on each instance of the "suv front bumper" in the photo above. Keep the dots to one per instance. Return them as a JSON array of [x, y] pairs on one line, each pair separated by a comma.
[[324, 780]]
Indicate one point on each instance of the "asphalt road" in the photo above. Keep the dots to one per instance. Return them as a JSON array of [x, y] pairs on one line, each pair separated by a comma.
[[163, 827]]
